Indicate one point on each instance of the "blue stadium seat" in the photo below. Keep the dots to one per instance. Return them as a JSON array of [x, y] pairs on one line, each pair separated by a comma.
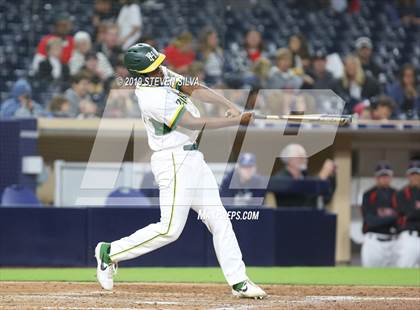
[[18, 196]]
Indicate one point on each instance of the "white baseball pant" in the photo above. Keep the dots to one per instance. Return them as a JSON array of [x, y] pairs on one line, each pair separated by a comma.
[[377, 253], [409, 250], [185, 181]]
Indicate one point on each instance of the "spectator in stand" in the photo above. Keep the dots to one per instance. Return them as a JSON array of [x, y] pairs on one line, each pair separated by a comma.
[[364, 51], [379, 221], [355, 86], [258, 77], [407, 203], [300, 53], [406, 93], [281, 76], [239, 58], [62, 29], [109, 46], [120, 69], [51, 69], [180, 53], [59, 106], [339, 6], [20, 103], [381, 108], [196, 70], [149, 39], [243, 186], [78, 93], [254, 45], [83, 47], [295, 159], [87, 109], [102, 13], [121, 103], [98, 88], [409, 12], [323, 79], [129, 23], [211, 55], [100, 34]]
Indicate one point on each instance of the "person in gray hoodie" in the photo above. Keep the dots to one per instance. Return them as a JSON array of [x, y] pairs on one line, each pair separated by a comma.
[[20, 103]]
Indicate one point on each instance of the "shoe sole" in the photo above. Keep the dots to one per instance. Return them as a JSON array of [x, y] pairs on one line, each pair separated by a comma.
[[239, 295], [248, 297], [98, 263]]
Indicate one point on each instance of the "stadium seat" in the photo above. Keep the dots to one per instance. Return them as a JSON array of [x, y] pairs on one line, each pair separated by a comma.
[[24, 25], [18, 196]]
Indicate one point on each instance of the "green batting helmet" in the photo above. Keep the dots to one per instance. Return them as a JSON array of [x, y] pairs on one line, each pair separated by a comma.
[[142, 58]]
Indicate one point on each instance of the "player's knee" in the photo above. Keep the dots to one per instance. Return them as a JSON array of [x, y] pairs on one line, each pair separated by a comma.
[[173, 233], [172, 236]]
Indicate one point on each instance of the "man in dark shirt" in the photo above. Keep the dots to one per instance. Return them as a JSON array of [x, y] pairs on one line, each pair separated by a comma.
[[364, 51], [295, 158], [379, 221], [407, 203], [323, 79], [243, 186]]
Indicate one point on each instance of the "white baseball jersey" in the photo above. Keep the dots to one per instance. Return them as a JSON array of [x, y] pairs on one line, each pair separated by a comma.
[[162, 108]]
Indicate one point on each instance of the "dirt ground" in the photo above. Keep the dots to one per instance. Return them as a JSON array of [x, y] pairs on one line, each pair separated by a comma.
[[62, 295]]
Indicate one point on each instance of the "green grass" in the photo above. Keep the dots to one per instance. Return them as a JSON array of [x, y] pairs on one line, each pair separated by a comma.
[[263, 275]]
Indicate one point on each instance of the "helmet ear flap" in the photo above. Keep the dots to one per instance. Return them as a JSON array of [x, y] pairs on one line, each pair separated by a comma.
[[136, 74]]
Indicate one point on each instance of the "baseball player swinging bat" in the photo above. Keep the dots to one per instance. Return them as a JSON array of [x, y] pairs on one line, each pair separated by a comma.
[[341, 120], [178, 167]]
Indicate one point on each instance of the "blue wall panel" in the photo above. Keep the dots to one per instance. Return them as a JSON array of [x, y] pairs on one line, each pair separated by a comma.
[[10, 160], [67, 237], [305, 237], [43, 237]]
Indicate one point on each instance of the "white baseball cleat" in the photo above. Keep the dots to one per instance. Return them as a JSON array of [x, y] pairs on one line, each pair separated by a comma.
[[105, 270], [248, 289]]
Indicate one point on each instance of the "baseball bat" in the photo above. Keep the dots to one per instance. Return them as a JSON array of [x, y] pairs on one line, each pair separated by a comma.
[[341, 120]]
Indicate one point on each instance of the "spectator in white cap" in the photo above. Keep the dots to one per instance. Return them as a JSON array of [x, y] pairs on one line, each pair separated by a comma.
[[83, 45], [364, 50], [243, 186]]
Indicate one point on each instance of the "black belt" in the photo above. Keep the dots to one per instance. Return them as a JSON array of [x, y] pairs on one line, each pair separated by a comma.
[[190, 147], [413, 232], [385, 239]]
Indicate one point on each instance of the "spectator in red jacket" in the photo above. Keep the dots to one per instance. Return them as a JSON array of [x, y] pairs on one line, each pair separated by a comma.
[[62, 29], [253, 44], [180, 53]]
